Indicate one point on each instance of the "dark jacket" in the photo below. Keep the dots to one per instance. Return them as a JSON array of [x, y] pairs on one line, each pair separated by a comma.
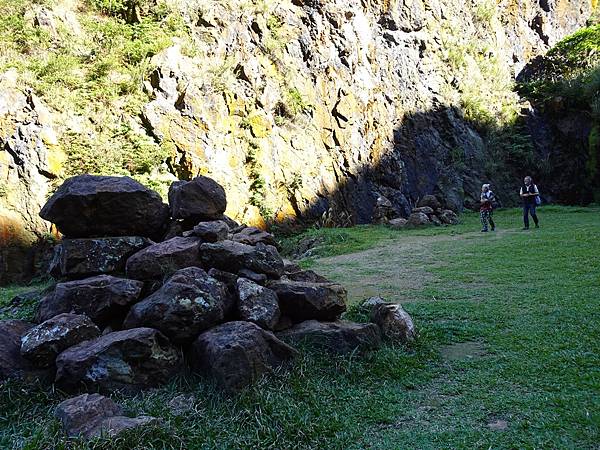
[[531, 189]]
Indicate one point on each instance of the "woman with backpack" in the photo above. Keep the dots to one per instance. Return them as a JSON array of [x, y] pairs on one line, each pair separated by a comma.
[[531, 198], [486, 208]]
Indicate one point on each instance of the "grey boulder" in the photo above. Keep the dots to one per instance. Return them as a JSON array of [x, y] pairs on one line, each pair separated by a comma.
[[449, 217], [302, 300], [430, 201], [398, 223], [418, 218], [102, 298], [189, 302], [199, 199], [12, 363], [93, 415], [232, 256], [42, 344], [92, 205], [253, 235], [164, 258], [129, 360], [395, 323], [78, 258], [336, 337], [236, 354], [257, 304], [213, 231]]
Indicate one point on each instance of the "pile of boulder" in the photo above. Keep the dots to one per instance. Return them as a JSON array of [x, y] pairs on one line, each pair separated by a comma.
[[428, 212], [147, 290]]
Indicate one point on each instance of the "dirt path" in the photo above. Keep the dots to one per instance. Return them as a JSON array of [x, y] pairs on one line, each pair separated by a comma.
[[396, 270]]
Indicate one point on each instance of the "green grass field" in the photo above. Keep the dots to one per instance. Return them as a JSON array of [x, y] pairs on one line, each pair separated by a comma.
[[508, 354]]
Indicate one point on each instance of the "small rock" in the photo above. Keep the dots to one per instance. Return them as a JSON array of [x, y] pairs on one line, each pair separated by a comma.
[[290, 267], [423, 209], [213, 231], [42, 344], [258, 278], [398, 223], [82, 415], [235, 354], [308, 276], [371, 303], [189, 302], [395, 323], [92, 205], [418, 219], [182, 404], [435, 220], [163, 259], [498, 425], [93, 415], [199, 199], [449, 217], [431, 201], [12, 363], [234, 256], [253, 235], [129, 360], [300, 300], [102, 298], [337, 337], [257, 304]]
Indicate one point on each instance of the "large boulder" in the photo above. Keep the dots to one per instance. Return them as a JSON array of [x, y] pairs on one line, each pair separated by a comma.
[[92, 205], [102, 298], [164, 258], [12, 363], [253, 235], [199, 199], [257, 304], [93, 415], [233, 256], [213, 231], [337, 337], [128, 360], [395, 323], [78, 258], [189, 302], [302, 300], [235, 354], [42, 344]]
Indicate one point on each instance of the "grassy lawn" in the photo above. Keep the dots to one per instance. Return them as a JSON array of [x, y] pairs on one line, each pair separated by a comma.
[[508, 354]]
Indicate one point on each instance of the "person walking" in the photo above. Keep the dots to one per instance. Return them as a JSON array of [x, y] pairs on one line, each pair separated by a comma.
[[486, 208], [530, 195]]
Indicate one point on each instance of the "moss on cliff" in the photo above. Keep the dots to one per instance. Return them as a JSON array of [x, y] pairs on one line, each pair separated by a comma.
[[88, 64]]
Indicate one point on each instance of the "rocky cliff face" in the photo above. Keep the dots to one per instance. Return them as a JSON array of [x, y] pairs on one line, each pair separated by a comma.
[[300, 108]]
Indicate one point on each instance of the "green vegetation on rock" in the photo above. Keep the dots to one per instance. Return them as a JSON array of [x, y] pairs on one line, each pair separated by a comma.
[[92, 67]]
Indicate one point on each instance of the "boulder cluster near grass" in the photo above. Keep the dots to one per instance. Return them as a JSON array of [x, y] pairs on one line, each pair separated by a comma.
[[147, 291], [429, 212]]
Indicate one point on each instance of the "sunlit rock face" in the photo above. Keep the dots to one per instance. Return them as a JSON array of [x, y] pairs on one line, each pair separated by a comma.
[[299, 108]]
